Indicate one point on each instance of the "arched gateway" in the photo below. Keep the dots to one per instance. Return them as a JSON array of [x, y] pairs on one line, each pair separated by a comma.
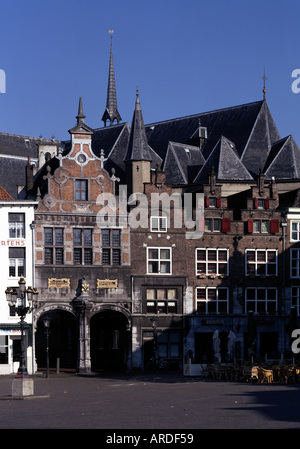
[[84, 338]]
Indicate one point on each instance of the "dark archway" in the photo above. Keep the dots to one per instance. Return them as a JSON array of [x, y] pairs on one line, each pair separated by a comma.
[[109, 341], [63, 340]]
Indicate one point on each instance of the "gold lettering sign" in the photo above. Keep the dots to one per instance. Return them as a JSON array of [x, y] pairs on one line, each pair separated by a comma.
[[58, 283], [107, 283]]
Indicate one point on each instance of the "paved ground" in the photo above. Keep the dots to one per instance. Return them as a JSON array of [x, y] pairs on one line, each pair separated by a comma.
[[69, 401]]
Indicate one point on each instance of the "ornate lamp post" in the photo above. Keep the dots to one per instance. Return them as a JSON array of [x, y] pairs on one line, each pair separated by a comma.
[[24, 300]]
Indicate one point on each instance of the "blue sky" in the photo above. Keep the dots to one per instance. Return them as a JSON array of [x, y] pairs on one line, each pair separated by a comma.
[[185, 56]]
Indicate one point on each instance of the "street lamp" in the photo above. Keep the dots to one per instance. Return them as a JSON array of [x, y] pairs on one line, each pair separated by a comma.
[[19, 300], [46, 321]]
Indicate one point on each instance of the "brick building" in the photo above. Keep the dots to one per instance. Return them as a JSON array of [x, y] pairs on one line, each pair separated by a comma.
[[125, 284]]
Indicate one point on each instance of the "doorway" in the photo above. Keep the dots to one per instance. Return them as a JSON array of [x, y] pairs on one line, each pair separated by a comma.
[[63, 341], [109, 341]]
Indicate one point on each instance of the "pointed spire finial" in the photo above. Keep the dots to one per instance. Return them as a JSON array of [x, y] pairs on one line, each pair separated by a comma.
[[264, 88], [111, 112], [80, 117]]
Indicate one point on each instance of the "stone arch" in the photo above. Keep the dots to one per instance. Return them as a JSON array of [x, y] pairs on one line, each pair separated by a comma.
[[63, 338], [110, 338]]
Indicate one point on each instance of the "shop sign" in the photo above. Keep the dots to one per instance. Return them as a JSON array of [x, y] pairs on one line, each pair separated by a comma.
[[107, 283], [58, 283]]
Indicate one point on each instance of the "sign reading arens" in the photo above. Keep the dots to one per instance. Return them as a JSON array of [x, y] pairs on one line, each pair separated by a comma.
[[12, 242]]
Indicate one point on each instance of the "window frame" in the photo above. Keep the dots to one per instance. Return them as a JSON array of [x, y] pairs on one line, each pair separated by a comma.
[[81, 190], [82, 248], [297, 267], [159, 260], [218, 262], [259, 301], [160, 228], [54, 245], [111, 247], [16, 227], [208, 300], [297, 231], [163, 298], [258, 263]]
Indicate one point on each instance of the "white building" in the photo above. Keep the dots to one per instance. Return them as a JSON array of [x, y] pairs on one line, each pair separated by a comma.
[[16, 255]]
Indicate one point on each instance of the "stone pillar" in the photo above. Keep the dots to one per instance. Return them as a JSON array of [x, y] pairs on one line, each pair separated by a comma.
[[82, 306]]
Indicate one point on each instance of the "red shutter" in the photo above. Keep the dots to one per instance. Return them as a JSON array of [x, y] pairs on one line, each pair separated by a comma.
[[207, 201], [274, 226], [219, 201], [225, 224], [250, 226], [267, 203], [255, 203]]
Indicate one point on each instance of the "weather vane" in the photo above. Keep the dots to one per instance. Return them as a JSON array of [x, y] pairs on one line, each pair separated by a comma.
[[111, 32], [264, 89]]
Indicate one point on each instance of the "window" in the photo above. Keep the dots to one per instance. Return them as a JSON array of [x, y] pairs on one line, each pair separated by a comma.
[[295, 231], [261, 262], [213, 224], [295, 263], [261, 300], [3, 349], [161, 300], [168, 344], [210, 261], [212, 300], [260, 226], [54, 241], [81, 189], [82, 241], [296, 298], [159, 260], [16, 262], [158, 224], [111, 247], [16, 225]]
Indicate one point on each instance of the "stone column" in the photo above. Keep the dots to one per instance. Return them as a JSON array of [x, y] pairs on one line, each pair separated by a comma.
[[82, 306]]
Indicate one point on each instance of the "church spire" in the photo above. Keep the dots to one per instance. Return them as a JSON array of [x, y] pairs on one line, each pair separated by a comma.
[[111, 112]]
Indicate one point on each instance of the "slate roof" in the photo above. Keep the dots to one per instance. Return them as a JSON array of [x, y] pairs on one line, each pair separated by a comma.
[[227, 165], [138, 148], [14, 153], [284, 160], [240, 138], [182, 163]]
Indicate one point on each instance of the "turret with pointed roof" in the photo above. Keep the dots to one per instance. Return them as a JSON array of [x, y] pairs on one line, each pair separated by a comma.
[[138, 148], [111, 112], [138, 156]]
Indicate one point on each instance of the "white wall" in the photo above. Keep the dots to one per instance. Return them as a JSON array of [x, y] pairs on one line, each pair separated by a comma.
[[9, 325]]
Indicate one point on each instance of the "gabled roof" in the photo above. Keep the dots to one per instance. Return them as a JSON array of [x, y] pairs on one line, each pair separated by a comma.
[[284, 160], [236, 123], [182, 163], [226, 162], [264, 133]]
